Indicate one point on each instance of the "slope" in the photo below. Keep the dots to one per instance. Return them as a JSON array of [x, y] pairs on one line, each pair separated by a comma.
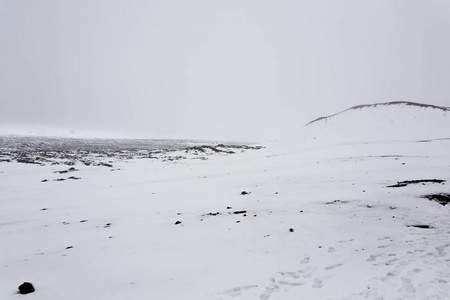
[[392, 121], [317, 222]]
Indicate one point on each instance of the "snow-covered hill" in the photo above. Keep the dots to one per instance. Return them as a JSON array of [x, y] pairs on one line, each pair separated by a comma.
[[346, 215], [391, 121]]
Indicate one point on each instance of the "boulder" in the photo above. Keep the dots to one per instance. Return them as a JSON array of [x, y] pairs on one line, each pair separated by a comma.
[[26, 288]]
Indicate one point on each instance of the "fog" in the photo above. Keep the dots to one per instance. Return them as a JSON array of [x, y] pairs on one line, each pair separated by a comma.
[[218, 70]]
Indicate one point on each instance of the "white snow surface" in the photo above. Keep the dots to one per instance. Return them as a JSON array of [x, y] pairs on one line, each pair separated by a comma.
[[112, 234], [392, 121]]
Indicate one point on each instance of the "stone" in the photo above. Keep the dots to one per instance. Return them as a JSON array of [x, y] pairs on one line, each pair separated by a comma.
[[26, 288]]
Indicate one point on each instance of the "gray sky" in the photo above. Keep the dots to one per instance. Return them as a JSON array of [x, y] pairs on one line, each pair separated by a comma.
[[247, 70]]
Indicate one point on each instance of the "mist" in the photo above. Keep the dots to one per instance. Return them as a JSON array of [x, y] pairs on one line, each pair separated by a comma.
[[234, 70]]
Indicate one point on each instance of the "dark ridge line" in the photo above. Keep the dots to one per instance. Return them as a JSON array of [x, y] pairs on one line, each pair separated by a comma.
[[406, 182], [384, 104]]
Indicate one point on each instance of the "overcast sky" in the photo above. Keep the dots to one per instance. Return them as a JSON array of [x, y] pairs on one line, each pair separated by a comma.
[[243, 70]]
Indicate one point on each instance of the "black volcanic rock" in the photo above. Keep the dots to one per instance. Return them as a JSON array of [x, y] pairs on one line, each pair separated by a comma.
[[406, 182], [442, 199], [421, 226], [105, 165], [26, 288]]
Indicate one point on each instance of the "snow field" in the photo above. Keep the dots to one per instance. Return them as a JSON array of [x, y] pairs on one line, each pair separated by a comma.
[[318, 220], [350, 238]]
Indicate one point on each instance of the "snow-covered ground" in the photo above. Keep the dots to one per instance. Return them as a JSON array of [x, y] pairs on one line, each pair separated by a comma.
[[317, 221]]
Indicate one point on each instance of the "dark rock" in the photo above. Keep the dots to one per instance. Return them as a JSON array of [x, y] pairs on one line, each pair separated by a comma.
[[334, 202], [213, 214], [69, 247], [291, 230], [244, 193], [26, 288], [406, 182], [442, 199], [240, 212], [204, 149], [177, 222], [421, 226], [44, 180], [27, 161]]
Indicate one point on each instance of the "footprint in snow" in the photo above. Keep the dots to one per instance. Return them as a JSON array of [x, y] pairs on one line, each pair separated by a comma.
[[415, 271], [441, 249], [329, 268], [404, 262], [238, 291], [442, 281], [318, 284], [275, 285], [394, 260], [346, 241], [270, 288], [284, 282], [305, 260], [388, 276], [373, 257], [407, 285], [306, 273], [290, 274]]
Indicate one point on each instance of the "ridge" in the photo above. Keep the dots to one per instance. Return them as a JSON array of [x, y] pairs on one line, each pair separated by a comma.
[[408, 103]]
